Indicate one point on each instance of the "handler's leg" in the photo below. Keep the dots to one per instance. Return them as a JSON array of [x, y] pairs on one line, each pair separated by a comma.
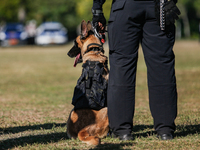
[[160, 60], [124, 36]]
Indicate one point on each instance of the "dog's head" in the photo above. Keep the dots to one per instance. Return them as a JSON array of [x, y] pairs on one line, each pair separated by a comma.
[[83, 42]]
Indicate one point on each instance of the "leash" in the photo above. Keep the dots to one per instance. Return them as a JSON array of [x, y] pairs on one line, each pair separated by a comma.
[[101, 37]]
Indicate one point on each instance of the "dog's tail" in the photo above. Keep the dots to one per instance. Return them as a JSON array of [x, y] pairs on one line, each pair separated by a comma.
[[85, 137]]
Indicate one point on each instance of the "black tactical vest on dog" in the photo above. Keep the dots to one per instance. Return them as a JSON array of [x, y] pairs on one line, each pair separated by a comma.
[[91, 89]]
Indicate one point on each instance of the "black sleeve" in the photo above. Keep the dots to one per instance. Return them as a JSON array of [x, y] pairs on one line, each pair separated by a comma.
[[97, 4]]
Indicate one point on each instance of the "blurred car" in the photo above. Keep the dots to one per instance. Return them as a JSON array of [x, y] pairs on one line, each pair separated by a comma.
[[51, 33], [13, 34]]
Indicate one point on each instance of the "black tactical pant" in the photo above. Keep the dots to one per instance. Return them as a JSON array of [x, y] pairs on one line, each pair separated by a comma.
[[132, 22]]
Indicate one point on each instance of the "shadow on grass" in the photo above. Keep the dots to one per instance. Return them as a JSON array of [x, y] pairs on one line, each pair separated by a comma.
[[138, 130], [182, 130], [46, 126], [33, 139], [111, 146]]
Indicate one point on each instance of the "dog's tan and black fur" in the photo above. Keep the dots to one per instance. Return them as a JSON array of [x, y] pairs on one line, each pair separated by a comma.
[[87, 124]]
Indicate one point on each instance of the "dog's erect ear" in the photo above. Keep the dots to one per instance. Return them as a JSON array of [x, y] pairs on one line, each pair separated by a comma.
[[74, 51], [84, 30], [89, 26]]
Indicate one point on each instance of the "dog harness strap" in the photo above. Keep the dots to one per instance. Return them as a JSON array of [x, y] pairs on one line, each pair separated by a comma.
[[99, 48], [99, 45]]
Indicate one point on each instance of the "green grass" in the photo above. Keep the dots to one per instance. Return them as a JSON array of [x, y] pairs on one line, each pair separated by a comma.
[[36, 86]]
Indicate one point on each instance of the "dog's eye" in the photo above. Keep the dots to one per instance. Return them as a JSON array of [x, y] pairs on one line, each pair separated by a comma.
[[82, 37]]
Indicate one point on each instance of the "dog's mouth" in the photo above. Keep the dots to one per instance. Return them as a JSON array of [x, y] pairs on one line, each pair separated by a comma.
[[75, 51], [78, 59]]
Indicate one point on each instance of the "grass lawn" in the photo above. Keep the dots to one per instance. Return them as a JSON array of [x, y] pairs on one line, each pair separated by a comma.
[[36, 87]]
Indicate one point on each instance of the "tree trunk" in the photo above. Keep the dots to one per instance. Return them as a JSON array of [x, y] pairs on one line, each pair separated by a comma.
[[184, 17]]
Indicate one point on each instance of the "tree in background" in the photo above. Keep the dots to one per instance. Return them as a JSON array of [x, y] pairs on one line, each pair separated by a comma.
[[197, 6], [9, 10], [190, 14]]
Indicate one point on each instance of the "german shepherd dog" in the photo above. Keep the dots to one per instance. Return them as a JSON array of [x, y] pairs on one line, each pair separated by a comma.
[[89, 125]]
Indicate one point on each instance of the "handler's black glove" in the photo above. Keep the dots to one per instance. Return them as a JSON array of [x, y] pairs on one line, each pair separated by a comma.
[[98, 16], [171, 12], [170, 9]]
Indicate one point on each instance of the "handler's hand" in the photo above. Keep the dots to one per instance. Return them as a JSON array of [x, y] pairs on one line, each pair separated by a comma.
[[99, 21], [101, 28], [171, 12]]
